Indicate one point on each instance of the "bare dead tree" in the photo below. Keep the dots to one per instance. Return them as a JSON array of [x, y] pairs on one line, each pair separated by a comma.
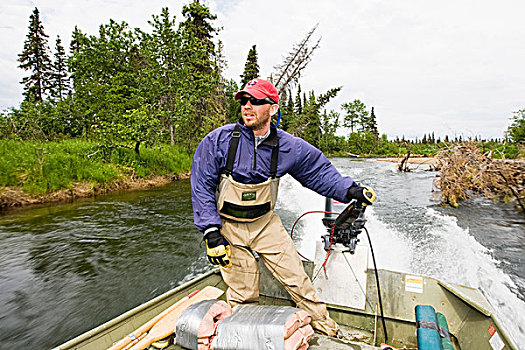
[[403, 165], [287, 74]]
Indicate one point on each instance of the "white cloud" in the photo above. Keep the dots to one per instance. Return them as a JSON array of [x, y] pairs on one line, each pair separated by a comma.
[[448, 66], [454, 66]]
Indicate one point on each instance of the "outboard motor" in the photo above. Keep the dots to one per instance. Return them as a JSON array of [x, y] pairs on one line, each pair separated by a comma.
[[345, 275], [345, 227]]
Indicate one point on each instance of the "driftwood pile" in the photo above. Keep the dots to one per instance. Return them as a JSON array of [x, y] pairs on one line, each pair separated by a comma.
[[465, 170]]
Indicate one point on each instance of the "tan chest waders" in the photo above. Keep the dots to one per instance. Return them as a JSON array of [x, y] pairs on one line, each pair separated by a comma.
[[250, 224], [246, 202]]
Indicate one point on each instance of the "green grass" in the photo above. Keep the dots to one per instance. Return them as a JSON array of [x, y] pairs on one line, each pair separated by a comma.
[[45, 167], [394, 149]]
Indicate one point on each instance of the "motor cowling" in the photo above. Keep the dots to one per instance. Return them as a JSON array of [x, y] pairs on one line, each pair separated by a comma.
[[345, 227]]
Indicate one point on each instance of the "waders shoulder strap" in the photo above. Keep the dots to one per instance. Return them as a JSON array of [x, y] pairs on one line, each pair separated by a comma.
[[232, 152], [275, 158]]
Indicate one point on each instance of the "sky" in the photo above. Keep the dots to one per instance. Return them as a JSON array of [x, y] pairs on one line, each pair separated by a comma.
[[454, 68]]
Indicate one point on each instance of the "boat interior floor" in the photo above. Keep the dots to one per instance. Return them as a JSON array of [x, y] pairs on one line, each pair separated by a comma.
[[353, 339], [320, 341]]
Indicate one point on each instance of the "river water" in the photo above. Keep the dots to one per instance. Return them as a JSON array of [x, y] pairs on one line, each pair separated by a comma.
[[65, 269]]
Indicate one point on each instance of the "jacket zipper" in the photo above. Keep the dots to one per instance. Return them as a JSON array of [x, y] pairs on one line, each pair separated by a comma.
[[254, 154]]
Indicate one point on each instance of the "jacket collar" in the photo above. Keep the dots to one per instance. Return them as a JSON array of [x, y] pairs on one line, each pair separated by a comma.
[[271, 140]]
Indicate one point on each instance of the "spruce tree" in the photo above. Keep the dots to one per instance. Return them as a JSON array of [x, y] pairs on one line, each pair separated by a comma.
[[305, 101], [77, 40], [198, 18], [287, 112], [307, 124], [298, 102], [372, 124], [311, 120], [198, 33], [204, 86], [233, 107], [59, 80], [35, 58], [287, 74], [251, 68], [76, 45]]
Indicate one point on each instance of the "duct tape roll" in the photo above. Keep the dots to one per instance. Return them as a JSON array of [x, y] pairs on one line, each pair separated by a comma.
[[427, 329], [254, 327], [187, 328]]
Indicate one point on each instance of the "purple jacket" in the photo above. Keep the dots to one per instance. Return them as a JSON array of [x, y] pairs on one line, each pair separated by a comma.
[[302, 161]]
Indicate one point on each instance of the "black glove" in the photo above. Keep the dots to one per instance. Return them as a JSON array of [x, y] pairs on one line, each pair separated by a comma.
[[217, 247], [365, 195]]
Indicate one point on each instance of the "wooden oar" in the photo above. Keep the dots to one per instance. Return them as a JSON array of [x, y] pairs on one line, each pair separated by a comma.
[[166, 325], [137, 335], [127, 347]]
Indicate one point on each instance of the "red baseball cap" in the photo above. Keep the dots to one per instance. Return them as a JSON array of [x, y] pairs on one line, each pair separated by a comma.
[[259, 88]]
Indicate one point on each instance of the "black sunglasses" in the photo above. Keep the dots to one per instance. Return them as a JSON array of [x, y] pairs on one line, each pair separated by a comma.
[[255, 101]]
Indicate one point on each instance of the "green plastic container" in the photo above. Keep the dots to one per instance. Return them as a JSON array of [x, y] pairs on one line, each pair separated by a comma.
[[446, 342]]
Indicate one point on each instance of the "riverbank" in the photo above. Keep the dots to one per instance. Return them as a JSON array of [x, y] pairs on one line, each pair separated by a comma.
[[11, 197], [33, 172]]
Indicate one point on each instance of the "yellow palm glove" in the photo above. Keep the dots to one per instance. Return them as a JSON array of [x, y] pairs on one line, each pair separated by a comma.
[[363, 194], [218, 249]]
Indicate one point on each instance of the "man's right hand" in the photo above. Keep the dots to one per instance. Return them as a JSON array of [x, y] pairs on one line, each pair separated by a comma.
[[217, 247]]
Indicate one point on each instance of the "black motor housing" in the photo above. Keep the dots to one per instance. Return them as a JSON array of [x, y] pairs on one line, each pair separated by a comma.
[[345, 227]]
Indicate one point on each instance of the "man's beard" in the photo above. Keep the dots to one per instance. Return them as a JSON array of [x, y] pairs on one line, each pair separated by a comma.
[[260, 121]]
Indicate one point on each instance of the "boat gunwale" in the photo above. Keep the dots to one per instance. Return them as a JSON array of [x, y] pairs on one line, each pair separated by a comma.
[[136, 310]]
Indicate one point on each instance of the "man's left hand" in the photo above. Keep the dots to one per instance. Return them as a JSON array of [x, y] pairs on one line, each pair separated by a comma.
[[363, 194]]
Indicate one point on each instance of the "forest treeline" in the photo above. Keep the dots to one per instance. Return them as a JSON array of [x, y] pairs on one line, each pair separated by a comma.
[[125, 90]]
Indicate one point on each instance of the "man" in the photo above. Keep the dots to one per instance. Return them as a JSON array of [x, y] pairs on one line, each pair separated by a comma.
[[234, 181]]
